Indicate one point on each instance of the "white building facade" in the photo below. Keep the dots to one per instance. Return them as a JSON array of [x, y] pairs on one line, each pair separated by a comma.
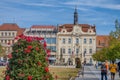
[[8, 32], [76, 41]]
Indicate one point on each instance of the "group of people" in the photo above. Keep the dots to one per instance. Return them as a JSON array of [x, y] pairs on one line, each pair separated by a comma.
[[112, 68]]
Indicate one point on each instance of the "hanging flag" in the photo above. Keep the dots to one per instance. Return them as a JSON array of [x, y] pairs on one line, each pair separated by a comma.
[[73, 55]]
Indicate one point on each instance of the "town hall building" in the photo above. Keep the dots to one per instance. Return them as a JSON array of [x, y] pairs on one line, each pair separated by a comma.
[[76, 40]]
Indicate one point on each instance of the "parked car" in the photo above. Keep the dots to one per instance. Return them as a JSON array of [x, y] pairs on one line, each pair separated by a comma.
[[3, 63]]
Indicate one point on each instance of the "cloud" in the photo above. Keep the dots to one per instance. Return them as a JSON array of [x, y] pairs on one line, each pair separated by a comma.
[[95, 3], [39, 4]]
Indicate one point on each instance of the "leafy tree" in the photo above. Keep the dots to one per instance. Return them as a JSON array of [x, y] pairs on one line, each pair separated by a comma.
[[100, 55], [114, 44], [112, 52], [29, 60], [116, 34]]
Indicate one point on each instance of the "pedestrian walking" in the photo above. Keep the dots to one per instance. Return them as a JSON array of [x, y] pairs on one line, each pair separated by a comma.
[[107, 65], [113, 70], [103, 72], [119, 68]]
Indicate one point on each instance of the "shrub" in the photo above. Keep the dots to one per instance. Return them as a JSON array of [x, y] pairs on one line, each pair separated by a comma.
[[29, 60]]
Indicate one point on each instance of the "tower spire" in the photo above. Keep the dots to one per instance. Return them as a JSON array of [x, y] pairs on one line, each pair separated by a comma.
[[75, 16]]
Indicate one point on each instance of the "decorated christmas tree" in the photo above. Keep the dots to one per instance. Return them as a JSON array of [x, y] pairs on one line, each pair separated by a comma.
[[29, 60]]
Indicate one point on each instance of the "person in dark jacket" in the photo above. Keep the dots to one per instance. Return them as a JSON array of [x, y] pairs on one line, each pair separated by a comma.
[[119, 68], [103, 71]]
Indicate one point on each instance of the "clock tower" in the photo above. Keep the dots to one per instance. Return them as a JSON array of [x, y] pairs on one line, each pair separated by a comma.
[[75, 17]]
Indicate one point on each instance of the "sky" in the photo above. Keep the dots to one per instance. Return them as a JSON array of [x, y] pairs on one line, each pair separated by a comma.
[[26, 13]]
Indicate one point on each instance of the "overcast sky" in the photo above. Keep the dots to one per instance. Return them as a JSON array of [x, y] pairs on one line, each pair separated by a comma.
[[26, 13]]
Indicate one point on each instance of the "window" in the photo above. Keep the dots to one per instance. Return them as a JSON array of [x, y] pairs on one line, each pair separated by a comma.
[[90, 50], [13, 34], [63, 41], [52, 48], [5, 34], [91, 61], [90, 41], [12, 41], [85, 41], [2, 33], [5, 41], [69, 41], [53, 40], [50, 40], [1, 41], [63, 50], [9, 34], [77, 40], [69, 51], [77, 50]]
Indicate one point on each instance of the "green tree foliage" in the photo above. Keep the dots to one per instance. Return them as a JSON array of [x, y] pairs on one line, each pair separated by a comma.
[[28, 61], [116, 34], [114, 44], [112, 52], [100, 55]]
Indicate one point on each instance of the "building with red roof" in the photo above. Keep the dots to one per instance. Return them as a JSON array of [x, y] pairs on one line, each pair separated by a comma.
[[76, 41], [8, 32]]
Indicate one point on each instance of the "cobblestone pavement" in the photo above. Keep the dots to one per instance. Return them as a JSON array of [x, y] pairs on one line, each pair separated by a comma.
[[90, 73]]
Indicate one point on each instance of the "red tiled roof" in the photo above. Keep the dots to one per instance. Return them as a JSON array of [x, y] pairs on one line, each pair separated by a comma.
[[69, 27], [11, 27], [43, 26], [102, 41]]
